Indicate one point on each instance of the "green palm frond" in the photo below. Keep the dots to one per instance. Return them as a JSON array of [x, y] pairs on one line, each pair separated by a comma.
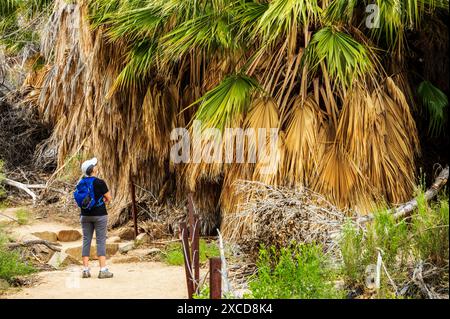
[[17, 22], [282, 15], [435, 101], [396, 16], [221, 106], [135, 24], [246, 16], [208, 31], [345, 58], [137, 70], [340, 10]]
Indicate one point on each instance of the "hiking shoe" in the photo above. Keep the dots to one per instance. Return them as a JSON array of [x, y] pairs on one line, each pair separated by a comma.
[[86, 274], [105, 274]]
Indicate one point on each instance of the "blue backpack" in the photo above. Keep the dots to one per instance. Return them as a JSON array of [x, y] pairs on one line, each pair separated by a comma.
[[84, 194]]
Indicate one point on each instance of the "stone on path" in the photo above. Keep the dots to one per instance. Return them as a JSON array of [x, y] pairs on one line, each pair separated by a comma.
[[46, 235], [69, 235], [126, 247], [61, 259], [75, 252]]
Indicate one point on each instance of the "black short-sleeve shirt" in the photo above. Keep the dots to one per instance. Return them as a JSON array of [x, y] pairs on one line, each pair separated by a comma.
[[100, 189]]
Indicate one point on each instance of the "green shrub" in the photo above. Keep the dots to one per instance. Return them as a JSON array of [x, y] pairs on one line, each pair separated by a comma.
[[23, 216], [10, 263], [299, 271], [203, 293], [430, 231], [402, 243], [360, 248], [389, 236], [352, 249], [173, 254]]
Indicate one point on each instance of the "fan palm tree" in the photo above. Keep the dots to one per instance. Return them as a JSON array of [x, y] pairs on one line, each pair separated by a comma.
[[336, 89]]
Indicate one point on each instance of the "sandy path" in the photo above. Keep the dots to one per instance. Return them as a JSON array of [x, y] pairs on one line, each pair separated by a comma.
[[131, 280], [137, 280]]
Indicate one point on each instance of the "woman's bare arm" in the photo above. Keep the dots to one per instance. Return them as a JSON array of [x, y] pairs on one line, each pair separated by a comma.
[[107, 197]]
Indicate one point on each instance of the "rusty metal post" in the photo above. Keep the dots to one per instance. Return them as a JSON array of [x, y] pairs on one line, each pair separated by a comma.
[[215, 278], [191, 215], [187, 259], [133, 206], [196, 251]]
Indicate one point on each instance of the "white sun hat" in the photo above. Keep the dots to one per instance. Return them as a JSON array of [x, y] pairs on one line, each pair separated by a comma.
[[86, 164]]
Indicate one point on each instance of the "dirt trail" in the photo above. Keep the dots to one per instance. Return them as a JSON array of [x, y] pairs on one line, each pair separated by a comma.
[[138, 280], [131, 280]]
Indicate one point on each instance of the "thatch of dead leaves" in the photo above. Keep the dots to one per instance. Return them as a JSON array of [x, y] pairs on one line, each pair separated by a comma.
[[280, 216]]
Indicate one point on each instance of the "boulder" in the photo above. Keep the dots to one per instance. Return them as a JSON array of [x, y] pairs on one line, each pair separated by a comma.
[[46, 235], [75, 252], [126, 247], [114, 239], [69, 235], [61, 259]]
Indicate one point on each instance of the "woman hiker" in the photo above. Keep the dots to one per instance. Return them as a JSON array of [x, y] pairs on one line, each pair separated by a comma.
[[91, 195]]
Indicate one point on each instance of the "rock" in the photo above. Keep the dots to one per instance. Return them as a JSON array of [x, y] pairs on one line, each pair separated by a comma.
[[69, 235], [126, 248], [3, 284], [46, 235], [125, 259], [146, 252], [114, 239], [75, 252], [126, 233], [61, 259], [142, 239]]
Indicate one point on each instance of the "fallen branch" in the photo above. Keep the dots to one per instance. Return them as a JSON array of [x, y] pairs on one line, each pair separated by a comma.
[[12, 218], [30, 243], [408, 207], [20, 186], [225, 282]]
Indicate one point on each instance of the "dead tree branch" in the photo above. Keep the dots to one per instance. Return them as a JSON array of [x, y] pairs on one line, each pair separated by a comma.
[[20, 186], [408, 207], [30, 243]]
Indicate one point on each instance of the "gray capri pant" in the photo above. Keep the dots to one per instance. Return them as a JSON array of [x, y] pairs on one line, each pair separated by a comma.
[[100, 224]]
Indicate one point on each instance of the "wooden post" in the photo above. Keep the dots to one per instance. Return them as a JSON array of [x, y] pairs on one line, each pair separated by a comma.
[[133, 207], [187, 259], [215, 278], [196, 251]]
